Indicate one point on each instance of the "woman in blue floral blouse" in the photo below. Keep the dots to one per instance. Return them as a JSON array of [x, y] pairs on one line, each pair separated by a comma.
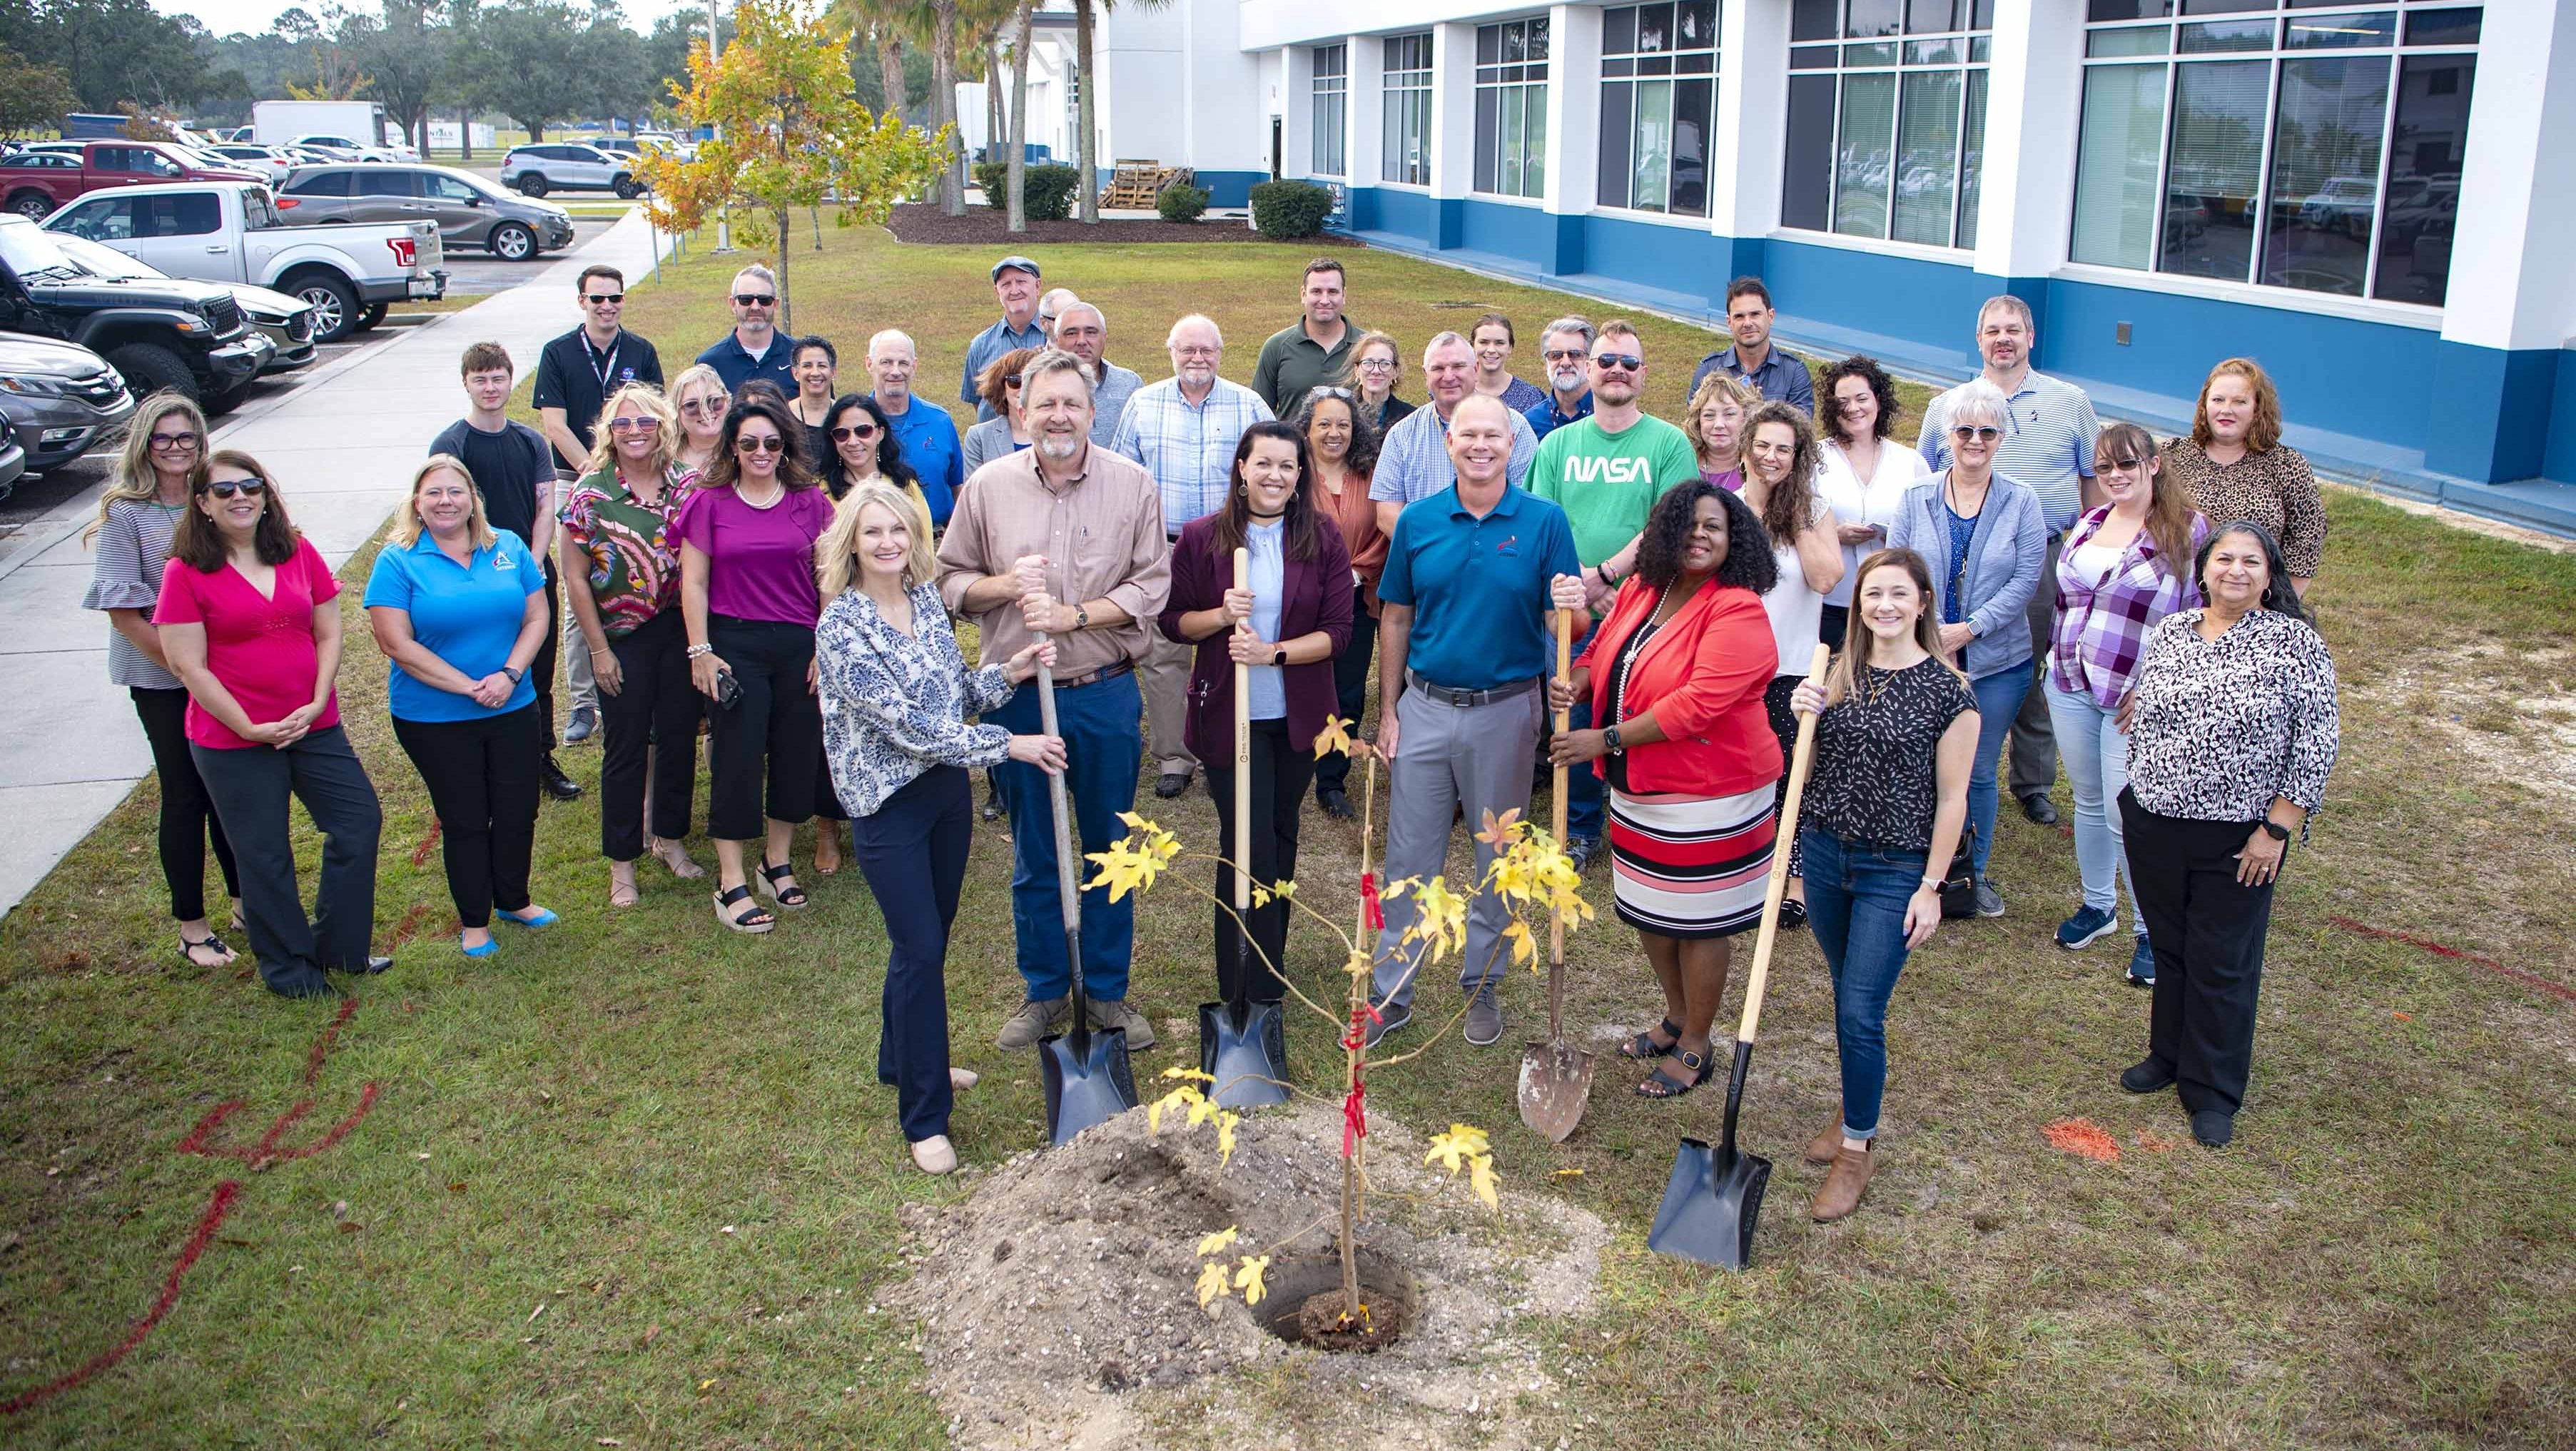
[[896, 693]]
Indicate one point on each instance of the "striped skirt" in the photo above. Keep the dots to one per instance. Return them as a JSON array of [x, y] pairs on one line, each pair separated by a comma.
[[1691, 866]]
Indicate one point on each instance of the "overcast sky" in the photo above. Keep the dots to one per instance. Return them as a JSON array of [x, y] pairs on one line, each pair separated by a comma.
[[223, 17]]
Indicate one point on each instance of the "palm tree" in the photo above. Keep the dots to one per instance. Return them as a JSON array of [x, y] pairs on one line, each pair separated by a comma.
[[1017, 162], [1087, 140], [879, 26]]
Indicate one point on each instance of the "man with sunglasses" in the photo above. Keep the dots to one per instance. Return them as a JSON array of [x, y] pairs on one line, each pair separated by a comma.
[[1566, 349], [2048, 436], [1015, 284], [754, 349], [925, 433], [1083, 330], [577, 372], [1313, 350]]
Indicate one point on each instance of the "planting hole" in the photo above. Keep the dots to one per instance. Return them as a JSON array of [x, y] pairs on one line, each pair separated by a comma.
[[1304, 1306]]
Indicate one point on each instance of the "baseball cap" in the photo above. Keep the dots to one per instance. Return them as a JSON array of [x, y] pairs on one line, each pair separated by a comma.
[[1022, 263]]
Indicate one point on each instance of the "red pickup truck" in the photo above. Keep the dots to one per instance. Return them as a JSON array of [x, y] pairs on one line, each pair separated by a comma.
[[34, 182]]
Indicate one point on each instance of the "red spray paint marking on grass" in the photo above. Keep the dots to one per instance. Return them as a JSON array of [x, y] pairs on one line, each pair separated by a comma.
[[2083, 1138], [216, 1208], [409, 924], [2386, 934], [428, 844]]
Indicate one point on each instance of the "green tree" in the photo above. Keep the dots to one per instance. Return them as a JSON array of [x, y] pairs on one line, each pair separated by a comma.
[[405, 58], [111, 50], [33, 98], [523, 60], [1087, 138]]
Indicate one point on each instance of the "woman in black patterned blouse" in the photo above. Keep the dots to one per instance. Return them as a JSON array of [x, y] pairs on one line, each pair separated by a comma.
[[896, 693], [2233, 730]]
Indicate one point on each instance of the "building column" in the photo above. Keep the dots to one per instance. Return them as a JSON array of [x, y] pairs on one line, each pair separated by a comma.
[[1453, 130], [2508, 311], [1297, 111], [1574, 131], [2034, 112], [1364, 143], [1752, 130]]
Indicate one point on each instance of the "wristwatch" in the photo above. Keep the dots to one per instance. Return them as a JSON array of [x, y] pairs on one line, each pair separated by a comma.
[[2275, 830], [1081, 617], [1610, 738], [515, 673], [1279, 656]]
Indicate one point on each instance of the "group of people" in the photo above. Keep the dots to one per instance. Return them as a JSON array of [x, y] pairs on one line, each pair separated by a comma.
[[748, 553]]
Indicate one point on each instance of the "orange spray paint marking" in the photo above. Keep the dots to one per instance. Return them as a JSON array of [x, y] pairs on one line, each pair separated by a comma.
[[2083, 1138]]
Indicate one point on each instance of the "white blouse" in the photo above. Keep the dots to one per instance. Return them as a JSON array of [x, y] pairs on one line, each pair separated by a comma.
[[1874, 500], [1797, 611]]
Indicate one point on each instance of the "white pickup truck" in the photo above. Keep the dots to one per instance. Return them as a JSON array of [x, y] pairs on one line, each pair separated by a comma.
[[230, 231]]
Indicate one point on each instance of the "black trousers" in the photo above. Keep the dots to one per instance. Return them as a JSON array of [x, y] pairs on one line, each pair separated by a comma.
[[541, 670], [482, 780], [188, 820], [655, 702], [777, 724], [913, 852], [1831, 626], [1350, 691], [250, 787], [1279, 776], [1784, 726], [2207, 932]]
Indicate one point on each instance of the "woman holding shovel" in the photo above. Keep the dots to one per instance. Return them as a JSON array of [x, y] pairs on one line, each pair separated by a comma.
[[1286, 627], [1896, 737], [1676, 675]]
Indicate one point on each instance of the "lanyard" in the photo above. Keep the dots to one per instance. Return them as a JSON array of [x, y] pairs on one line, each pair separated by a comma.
[[603, 365]]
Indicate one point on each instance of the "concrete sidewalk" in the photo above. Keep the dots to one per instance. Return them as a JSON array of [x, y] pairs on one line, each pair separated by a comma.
[[341, 446]]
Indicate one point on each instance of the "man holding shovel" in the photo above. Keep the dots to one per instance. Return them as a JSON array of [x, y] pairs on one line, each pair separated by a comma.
[[1066, 540], [1471, 574]]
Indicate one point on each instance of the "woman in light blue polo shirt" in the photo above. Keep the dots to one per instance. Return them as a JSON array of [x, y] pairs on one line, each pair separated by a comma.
[[460, 611]]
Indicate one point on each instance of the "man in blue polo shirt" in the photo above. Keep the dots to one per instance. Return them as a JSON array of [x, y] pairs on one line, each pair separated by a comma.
[[923, 430], [1015, 286], [1464, 641], [754, 349]]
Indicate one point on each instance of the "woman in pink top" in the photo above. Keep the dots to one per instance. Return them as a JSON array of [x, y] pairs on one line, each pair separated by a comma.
[[250, 622], [749, 603]]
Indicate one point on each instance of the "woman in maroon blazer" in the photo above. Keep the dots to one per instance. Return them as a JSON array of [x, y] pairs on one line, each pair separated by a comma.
[[1287, 627]]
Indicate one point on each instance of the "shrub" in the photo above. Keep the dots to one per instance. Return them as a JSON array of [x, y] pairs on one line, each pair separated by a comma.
[[1182, 202], [1047, 190], [1286, 210]]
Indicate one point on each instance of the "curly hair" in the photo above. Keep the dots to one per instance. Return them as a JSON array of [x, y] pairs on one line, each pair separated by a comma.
[[1361, 458], [1790, 505], [1748, 562], [2263, 433], [1881, 387]]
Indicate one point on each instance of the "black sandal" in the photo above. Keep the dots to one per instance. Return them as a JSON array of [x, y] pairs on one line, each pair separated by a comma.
[[1644, 1048], [210, 941], [755, 920], [793, 898], [1701, 1065]]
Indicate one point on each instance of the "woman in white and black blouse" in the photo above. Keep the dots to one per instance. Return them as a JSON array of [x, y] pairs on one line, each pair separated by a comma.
[[896, 693], [2233, 730]]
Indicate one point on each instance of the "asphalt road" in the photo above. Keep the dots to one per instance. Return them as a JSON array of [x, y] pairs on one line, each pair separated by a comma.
[[473, 272]]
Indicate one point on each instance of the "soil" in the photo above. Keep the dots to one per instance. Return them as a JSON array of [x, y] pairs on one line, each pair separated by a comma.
[[1057, 1302], [981, 225]]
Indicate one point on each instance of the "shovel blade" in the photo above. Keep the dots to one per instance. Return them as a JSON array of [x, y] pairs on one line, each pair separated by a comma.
[[1556, 1085], [1249, 1062], [1710, 1205], [1086, 1089]]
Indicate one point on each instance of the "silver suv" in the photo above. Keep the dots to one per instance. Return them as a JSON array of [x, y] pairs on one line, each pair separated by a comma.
[[561, 166], [63, 398]]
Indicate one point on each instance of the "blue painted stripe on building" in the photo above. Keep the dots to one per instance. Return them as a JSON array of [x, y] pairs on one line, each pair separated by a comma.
[[2559, 460]]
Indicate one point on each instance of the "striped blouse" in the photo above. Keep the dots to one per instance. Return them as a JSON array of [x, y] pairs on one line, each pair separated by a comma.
[[133, 549]]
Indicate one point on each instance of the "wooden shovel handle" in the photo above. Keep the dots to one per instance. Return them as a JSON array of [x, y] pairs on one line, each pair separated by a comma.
[[1780, 845], [1242, 758]]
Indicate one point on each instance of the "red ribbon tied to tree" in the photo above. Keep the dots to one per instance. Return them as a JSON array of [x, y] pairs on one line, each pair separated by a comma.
[[1354, 1118], [1374, 910]]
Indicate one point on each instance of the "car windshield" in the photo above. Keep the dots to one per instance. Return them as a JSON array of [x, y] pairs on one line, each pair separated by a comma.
[[33, 253]]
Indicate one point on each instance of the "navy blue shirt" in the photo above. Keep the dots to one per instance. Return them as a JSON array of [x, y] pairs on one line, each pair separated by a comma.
[[928, 438], [467, 616], [737, 366], [1544, 419], [1478, 587], [1780, 379]]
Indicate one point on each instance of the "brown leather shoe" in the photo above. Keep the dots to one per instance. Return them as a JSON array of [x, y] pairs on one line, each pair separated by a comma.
[[1828, 1143], [1841, 1194]]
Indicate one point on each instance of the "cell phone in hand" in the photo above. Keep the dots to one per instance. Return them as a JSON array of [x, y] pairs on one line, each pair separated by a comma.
[[728, 690]]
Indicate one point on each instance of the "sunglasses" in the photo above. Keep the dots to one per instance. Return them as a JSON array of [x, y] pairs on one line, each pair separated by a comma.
[[602, 299], [1342, 393], [2124, 465], [172, 441], [1011, 381], [704, 408], [760, 445], [856, 430], [1628, 362], [756, 299], [1565, 355], [1963, 434], [226, 488], [633, 425]]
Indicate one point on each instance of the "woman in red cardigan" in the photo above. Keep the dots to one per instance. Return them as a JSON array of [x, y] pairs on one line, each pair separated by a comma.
[[1676, 676], [1287, 627]]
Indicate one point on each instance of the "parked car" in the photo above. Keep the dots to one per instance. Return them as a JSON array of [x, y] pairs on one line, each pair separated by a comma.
[[536, 170], [231, 232], [287, 322], [13, 456], [35, 182], [469, 211], [61, 398], [342, 148], [166, 333], [272, 163]]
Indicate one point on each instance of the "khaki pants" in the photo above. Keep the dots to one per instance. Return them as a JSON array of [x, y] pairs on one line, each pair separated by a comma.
[[1164, 676]]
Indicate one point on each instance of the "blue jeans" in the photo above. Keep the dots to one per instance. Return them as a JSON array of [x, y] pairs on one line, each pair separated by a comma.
[[2095, 754], [1584, 788], [1104, 738], [1856, 896], [1999, 698]]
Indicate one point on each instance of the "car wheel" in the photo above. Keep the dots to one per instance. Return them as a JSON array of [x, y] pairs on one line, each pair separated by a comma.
[[626, 188], [532, 185], [334, 303], [35, 206], [373, 314], [513, 243], [150, 368]]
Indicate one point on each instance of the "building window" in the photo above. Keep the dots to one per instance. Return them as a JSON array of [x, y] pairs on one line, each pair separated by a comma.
[[1511, 107], [1332, 89], [1887, 118], [1658, 106], [2290, 149], [1407, 98]]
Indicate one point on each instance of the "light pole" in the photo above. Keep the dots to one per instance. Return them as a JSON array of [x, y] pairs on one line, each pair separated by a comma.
[[724, 231]]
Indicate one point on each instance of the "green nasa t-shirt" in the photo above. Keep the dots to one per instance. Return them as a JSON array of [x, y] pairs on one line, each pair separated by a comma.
[[1607, 482]]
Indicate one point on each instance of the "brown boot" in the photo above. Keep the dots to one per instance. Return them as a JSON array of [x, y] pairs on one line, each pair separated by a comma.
[[1841, 1194], [1828, 1143]]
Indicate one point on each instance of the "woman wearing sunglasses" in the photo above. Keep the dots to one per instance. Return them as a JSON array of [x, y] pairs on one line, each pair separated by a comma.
[[749, 602], [249, 619], [620, 566], [1006, 432], [163, 461], [863, 450], [1986, 540], [700, 399]]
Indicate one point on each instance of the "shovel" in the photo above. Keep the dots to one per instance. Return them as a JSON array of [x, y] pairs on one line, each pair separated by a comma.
[[1715, 1194], [1556, 1081], [1087, 1077], [1243, 1045]]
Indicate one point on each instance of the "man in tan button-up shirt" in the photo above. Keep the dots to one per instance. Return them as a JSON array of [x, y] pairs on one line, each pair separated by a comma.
[[1067, 540]]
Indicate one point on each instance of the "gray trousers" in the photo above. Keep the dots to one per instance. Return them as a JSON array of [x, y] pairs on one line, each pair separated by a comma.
[[1164, 676], [2033, 757], [583, 686], [1449, 757]]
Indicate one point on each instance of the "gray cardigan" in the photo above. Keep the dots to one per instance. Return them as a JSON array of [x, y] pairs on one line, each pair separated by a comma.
[[985, 442], [2006, 552]]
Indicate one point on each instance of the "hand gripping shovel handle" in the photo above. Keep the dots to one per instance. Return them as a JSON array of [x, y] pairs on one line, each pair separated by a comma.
[[1238, 1002], [1779, 889], [1556, 922], [1067, 867]]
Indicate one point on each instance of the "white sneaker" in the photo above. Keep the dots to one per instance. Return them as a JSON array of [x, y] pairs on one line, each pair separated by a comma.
[[961, 1079], [935, 1155]]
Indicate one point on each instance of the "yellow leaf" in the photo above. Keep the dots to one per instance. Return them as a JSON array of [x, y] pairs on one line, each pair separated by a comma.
[[1260, 895], [1523, 948], [1192, 1073], [1335, 737], [1499, 830], [1225, 1123], [1248, 1278], [1216, 1243], [1460, 1143], [1179, 1098], [1480, 1177], [1211, 1283]]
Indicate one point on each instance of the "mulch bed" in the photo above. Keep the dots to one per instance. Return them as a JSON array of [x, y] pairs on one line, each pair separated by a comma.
[[983, 226]]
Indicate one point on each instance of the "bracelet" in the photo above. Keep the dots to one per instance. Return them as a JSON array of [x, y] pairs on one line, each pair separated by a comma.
[[694, 651], [601, 650], [1933, 884]]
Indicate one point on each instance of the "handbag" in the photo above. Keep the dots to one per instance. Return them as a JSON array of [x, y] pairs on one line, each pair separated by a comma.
[[1959, 883]]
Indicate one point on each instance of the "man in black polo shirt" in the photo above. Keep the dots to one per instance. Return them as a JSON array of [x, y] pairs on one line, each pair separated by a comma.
[[577, 372], [755, 348]]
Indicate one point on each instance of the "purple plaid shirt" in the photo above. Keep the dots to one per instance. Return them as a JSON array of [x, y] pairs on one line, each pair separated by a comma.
[[2102, 627]]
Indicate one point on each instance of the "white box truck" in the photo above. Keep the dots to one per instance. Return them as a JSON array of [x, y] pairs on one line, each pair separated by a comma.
[[352, 126]]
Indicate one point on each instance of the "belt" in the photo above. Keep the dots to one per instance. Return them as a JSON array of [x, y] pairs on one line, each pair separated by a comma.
[[1467, 698], [1094, 677]]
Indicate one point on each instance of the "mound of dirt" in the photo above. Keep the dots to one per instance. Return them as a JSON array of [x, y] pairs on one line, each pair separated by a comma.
[[1058, 1307]]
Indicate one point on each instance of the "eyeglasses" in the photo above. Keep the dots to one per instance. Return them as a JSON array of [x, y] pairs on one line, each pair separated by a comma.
[[1565, 355], [603, 299], [1377, 365], [704, 408], [772, 444], [1964, 433], [855, 430], [226, 488], [173, 442], [756, 299], [1627, 362], [633, 425]]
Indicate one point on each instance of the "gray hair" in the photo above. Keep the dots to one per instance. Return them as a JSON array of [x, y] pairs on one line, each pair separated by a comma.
[[1049, 362], [892, 335], [2006, 302], [1078, 305], [1580, 327], [762, 273], [1061, 297], [1172, 339], [1979, 402], [1443, 340]]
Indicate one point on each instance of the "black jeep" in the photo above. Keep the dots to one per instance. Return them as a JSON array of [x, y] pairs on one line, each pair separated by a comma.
[[160, 332]]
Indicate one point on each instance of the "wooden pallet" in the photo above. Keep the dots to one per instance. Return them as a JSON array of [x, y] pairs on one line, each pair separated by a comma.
[[1135, 184]]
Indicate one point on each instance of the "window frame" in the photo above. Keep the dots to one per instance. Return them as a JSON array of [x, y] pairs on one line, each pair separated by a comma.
[[1339, 92], [1970, 34], [1623, 69], [1495, 77], [1398, 103]]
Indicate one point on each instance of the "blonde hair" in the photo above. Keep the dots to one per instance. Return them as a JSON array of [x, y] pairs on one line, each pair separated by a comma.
[[666, 438], [407, 524], [135, 481], [690, 377], [1721, 384], [835, 560]]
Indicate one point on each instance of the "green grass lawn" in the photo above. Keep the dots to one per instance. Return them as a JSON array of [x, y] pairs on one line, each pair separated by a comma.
[[633, 1179]]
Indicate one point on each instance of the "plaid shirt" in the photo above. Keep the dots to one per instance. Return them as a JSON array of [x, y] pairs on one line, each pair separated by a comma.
[[1413, 460], [1187, 447], [2103, 625]]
